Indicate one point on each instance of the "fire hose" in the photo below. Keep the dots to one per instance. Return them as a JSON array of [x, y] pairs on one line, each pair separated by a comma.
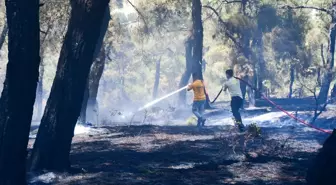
[[278, 107]]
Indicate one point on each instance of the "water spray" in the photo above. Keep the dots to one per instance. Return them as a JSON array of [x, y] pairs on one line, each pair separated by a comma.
[[133, 114], [162, 98]]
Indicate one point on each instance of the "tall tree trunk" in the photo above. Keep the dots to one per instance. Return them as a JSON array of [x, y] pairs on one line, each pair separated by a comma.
[[82, 116], [292, 79], [261, 64], [39, 93], [248, 54], [251, 93], [207, 100], [197, 50], [18, 95], [243, 87], [52, 146], [243, 6], [318, 77], [323, 167], [333, 92], [3, 35], [328, 74], [96, 73], [90, 103], [188, 70], [319, 71], [90, 94], [204, 63], [157, 79]]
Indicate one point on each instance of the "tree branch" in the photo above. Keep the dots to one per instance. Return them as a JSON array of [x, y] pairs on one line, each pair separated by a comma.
[[228, 34], [219, 7], [141, 15], [229, 2], [318, 110], [307, 7], [322, 56], [44, 32]]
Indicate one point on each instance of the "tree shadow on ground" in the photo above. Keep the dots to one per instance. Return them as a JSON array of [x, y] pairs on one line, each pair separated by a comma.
[[183, 157]]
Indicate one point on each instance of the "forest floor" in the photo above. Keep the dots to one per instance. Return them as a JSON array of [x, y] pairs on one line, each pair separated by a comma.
[[185, 155]]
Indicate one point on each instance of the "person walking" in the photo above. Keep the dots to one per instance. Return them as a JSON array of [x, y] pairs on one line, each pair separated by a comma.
[[233, 86]]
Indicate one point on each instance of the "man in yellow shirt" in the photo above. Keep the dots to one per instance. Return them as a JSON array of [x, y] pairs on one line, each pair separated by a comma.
[[233, 85], [199, 100]]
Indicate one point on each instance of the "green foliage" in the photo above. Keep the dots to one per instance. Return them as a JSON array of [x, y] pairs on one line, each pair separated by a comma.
[[267, 18], [157, 29], [192, 121], [254, 130]]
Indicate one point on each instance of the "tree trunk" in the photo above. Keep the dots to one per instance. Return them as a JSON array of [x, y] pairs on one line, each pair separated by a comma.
[[204, 63], [248, 54], [243, 6], [333, 92], [251, 93], [261, 64], [187, 73], [207, 101], [328, 74], [39, 94], [96, 71], [52, 146], [197, 50], [292, 78], [243, 87], [82, 116], [318, 77], [157, 79], [18, 95], [319, 71], [322, 170]]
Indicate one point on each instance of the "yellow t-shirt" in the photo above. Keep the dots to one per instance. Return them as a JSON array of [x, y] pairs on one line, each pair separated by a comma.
[[233, 85], [198, 88]]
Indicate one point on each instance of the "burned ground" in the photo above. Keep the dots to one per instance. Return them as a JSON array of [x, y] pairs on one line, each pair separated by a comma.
[[161, 155]]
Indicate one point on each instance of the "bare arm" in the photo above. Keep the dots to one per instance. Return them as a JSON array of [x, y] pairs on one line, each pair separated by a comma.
[[189, 87]]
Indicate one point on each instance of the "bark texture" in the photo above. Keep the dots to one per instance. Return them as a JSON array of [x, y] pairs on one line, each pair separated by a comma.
[[322, 170], [197, 50], [292, 79], [52, 146], [328, 74], [18, 95]]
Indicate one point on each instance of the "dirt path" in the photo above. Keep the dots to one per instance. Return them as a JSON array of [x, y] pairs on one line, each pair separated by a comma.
[[154, 155]]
